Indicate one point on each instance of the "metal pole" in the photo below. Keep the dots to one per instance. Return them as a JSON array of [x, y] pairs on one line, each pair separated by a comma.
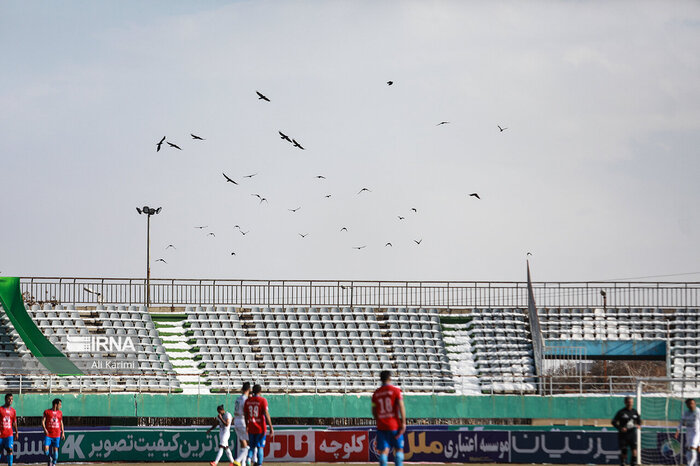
[[148, 260]]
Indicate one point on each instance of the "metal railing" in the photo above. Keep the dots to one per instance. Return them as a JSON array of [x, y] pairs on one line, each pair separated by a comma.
[[284, 382], [354, 293]]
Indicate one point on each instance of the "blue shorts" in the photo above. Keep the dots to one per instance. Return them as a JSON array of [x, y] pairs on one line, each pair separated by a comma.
[[257, 440], [7, 443], [52, 441], [387, 439]]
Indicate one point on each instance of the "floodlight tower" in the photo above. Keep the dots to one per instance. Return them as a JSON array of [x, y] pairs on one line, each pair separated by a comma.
[[148, 211]]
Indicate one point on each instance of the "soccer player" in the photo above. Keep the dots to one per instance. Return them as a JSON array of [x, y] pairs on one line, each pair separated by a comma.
[[8, 416], [691, 422], [389, 411], [52, 423], [257, 418], [223, 420], [239, 425], [626, 422]]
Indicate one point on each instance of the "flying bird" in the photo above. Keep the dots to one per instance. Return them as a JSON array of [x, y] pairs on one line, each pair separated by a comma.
[[320, 177], [389, 83], [264, 199], [328, 196], [502, 129], [443, 123], [233, 253], [244, 232], [160, 143], [418, 241], [257, 195], [344, 229], [359, 247], [228, 179], [237, 226], [296, 144], [250, 176], [528, 254], [414, 209], [294, 210], [194, 136], [303, 235], [201, 228], [211, 234], [389, 244], [170, 246], [363, 190], [476, 195], [284, 136], [402, 218], [174, 145], [161, 260], [262, 97]]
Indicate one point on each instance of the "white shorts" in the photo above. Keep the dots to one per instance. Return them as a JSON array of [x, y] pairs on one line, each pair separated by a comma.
[[224, 437], [692, 438], [241, 432]]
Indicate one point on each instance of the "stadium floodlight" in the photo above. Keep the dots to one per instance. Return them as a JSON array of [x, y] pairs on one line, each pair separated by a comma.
[[605, 298], [148, 211], [96, 293]]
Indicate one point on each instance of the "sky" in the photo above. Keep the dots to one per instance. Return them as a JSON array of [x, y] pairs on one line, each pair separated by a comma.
[[596, 175]]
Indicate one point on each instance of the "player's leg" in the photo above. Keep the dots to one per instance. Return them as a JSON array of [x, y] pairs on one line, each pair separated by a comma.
[[622, 440], [633, 447], [261, 450], [397, 444], [242, 436], [9, 443], [56, 444], [253, 450], [383, 446]]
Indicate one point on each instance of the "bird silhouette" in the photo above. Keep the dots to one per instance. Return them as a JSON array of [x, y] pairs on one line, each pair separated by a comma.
[[170, 246], [402, 218], [389, 83], [201, 228], [414, 209], [237, 226], [389, 244], [161, 260], [228, 179], [502, 129], [284, 136], [174, 145], [303, 235], [294, 210], [359, 247], [443, 123], [194, 136], [244, 232], [320, 177], [344, 229], [257, 195], [528, 254], [262, 97], [264, 199], [418, 241], [211, 234], [476, 195], [296, 144], [233, 253], [328, 196], [363, 190], [250, 176], [160, 143]]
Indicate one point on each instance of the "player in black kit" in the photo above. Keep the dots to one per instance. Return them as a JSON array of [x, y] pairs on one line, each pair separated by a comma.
[[626, 422]]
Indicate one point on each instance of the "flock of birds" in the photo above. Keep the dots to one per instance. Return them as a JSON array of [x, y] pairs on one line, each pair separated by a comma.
[[262, 199]]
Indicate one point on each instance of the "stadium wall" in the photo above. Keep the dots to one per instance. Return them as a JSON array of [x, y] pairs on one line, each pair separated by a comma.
[[343, 406]]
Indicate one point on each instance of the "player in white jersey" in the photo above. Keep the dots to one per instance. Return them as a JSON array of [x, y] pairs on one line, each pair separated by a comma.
[[239, 424], [223, 421], [691, 421]]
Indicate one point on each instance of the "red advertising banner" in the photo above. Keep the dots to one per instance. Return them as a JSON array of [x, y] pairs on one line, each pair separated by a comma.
[[290, 446], [342, 446]]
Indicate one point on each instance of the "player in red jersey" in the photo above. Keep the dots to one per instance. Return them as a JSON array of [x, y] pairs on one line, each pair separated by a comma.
[[8, 417], [53, 431], [389, 411], [257, 418]]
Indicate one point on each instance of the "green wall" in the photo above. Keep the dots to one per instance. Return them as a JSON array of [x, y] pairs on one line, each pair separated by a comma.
[[342, 406]]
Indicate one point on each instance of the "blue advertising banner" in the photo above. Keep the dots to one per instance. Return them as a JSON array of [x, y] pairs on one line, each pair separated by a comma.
[[564, 447], [444, 446]]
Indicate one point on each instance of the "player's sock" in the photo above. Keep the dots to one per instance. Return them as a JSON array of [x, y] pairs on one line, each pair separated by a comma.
[[242, 454], [251, 452], [229, 455], [623, 457], [383, 459], [10, 459], [398, 458], [692, 457], [261, 454], [218, 455], [55, 456]]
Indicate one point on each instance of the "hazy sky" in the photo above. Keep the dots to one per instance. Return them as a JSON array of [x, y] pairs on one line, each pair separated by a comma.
[[598, 173]]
